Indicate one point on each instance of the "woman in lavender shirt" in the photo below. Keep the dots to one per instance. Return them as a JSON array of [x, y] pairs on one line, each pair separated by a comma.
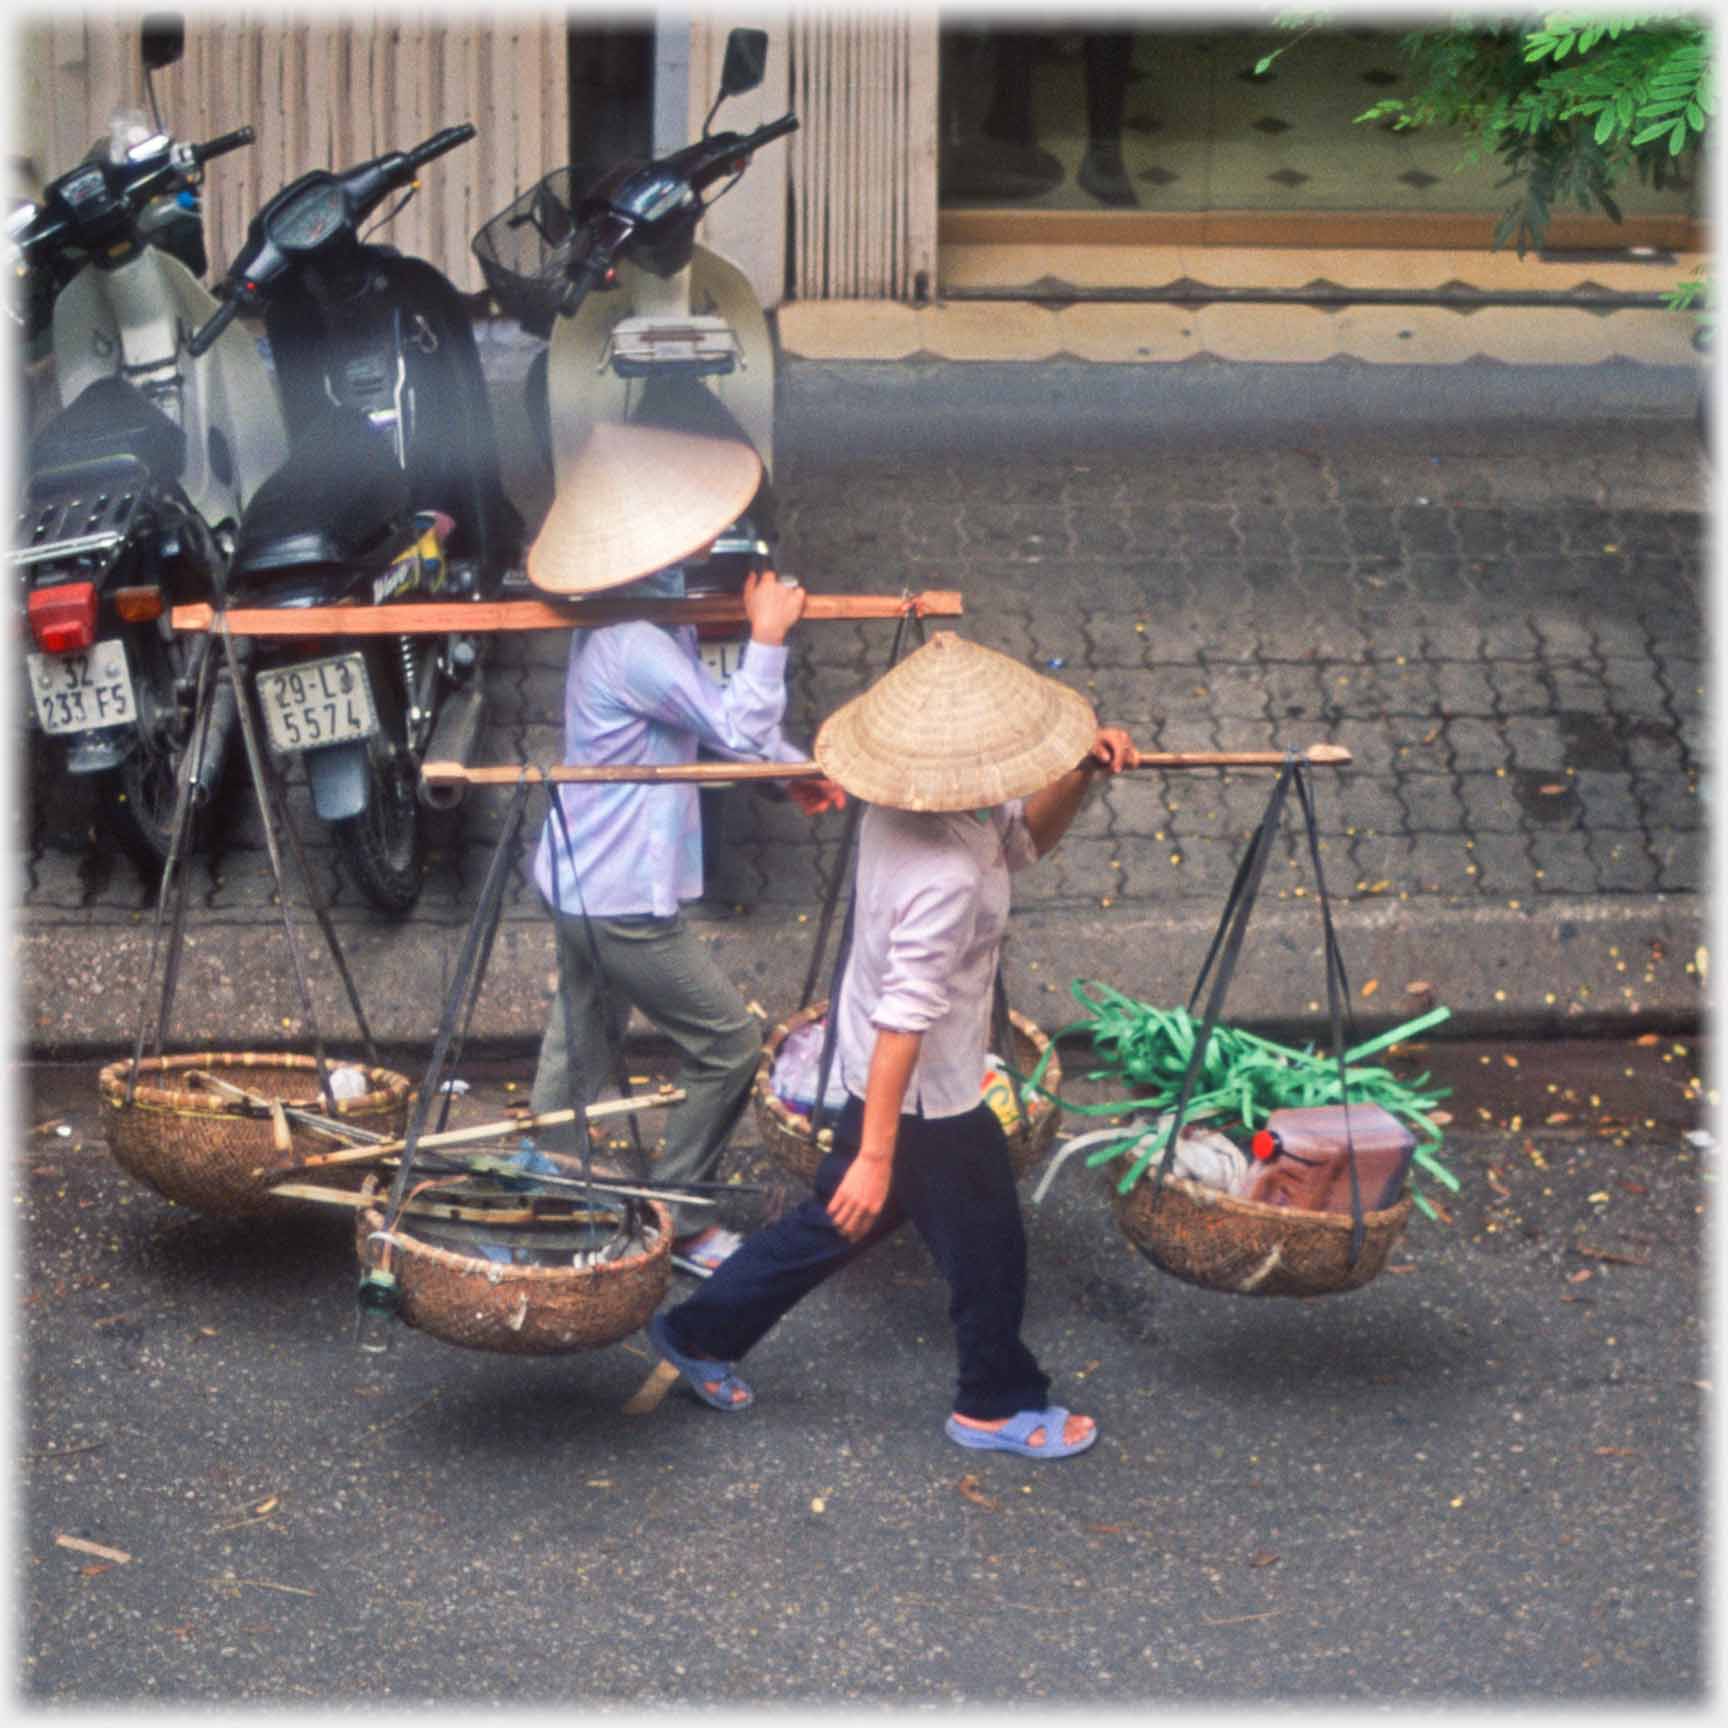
[[973, 766]]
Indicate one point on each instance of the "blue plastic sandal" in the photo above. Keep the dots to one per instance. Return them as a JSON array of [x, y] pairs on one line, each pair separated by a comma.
[[1015, 1435], [701, 1372]]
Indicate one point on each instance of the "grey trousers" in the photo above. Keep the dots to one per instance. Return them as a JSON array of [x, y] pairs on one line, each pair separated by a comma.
[[662, 967]]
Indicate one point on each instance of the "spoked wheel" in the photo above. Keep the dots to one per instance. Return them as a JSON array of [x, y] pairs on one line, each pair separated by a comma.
[[136, 800], [383, 848]]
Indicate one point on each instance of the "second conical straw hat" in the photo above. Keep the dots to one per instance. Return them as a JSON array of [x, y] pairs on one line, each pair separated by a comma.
[[955, 727], [634, 499]]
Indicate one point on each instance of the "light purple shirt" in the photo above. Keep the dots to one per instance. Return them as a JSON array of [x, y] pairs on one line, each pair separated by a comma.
[[932, 904], [638, 693]]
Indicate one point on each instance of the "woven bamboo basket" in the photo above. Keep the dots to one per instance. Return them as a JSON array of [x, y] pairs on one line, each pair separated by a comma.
[[1244, 1248], [480, 1304], [787, 1135], [203, 1151]]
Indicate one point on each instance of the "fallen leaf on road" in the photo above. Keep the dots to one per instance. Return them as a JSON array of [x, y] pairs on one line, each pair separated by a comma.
[[1615, 1452], [1262, 1558], [1608, 1254], [969, 1490], [1403, 1266], [1370, 987], [264, 1507], [1579, 1277], [265, 1584], [80, 1546], [1648, 1039], [1420, 988]]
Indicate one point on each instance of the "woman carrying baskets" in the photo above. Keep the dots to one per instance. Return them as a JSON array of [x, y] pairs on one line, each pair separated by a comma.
[[972, 766], [616, 862]]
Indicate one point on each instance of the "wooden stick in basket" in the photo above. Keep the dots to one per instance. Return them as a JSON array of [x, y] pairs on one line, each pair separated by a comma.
[[493, 1130], [281, 1113], [440, 617], [725, 773], [450, 1210]]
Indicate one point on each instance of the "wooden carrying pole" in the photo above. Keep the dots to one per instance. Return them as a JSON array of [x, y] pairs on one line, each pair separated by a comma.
[[726, 773], [438, 618]]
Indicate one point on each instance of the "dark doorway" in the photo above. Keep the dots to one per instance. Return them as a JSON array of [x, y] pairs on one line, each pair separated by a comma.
[[611, 90]]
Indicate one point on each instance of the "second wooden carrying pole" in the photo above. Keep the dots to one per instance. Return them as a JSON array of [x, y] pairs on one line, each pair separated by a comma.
[[724, 773]]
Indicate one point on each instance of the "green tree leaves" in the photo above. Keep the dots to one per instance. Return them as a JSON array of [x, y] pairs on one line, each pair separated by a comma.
[[1569, 103]]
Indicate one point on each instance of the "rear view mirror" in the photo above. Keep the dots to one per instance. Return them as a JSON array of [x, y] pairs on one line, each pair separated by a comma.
[[161, 40], [746, 61]]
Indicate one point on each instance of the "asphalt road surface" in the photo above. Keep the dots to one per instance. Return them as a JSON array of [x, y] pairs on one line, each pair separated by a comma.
[[1476, 1482]]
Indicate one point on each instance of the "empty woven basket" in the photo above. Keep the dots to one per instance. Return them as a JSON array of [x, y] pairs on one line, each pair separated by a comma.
[[202, 1150], [480, 1304]]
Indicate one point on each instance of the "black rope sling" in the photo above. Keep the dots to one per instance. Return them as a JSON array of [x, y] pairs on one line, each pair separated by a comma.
[[1225, 950]]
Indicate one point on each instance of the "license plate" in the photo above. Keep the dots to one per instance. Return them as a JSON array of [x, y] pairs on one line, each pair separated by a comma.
[[721, 658], [79, 692], [317, 702]]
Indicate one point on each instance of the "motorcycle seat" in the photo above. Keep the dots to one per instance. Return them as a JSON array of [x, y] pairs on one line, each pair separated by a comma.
[[109, 425], [338, 499]]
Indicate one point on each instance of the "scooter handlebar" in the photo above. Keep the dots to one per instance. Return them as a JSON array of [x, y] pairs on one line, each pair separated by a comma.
[[766, 134], [712, 158], [439, 143], [235, 140], [204, 338]]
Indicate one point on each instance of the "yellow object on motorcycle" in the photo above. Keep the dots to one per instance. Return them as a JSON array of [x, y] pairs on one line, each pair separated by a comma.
[[420, 568]]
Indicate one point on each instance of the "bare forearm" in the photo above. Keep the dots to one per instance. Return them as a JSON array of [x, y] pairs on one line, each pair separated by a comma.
[[891, 1065], [863, 1191], [1050, 812]]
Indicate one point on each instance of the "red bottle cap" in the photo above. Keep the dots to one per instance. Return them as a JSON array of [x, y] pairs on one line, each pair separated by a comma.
[[1264, 1145]]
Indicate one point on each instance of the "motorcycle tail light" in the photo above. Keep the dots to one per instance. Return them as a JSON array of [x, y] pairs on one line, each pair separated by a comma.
[[63, 619], [138, 605]]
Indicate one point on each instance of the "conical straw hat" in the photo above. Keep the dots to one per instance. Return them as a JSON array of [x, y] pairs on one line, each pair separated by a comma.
[[955, 727], [637, 498]]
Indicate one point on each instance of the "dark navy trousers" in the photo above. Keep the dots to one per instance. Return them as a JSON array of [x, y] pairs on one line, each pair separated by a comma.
[[953, 1180]]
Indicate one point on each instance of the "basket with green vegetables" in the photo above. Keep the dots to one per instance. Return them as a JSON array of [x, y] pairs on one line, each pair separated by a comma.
[[1242, 1079]]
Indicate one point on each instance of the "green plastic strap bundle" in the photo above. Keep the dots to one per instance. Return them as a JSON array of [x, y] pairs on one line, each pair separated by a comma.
[[1242, 1078]]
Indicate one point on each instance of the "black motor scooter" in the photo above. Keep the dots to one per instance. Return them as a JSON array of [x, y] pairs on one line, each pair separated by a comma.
[[132, 489], [391, 493], [643, 322]]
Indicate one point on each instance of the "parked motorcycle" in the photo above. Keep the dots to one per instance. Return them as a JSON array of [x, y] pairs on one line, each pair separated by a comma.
[[604, 263], [391, 493], [133, 490]]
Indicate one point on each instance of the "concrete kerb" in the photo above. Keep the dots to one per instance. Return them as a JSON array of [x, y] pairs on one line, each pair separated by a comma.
[[1566, 967]]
